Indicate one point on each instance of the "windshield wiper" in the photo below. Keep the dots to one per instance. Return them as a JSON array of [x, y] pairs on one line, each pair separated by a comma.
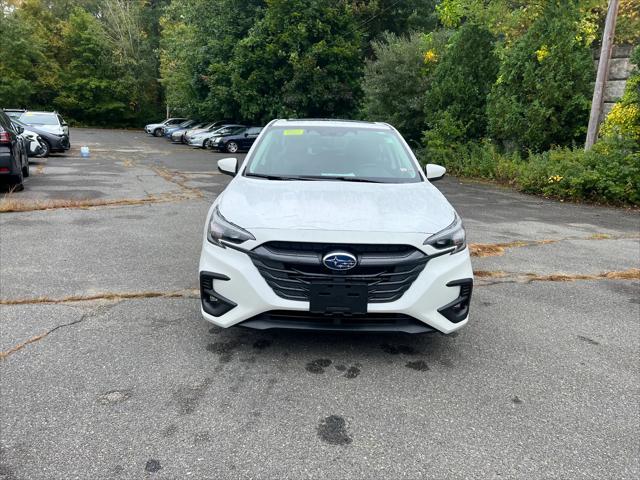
[[341, 178], [274, 177]]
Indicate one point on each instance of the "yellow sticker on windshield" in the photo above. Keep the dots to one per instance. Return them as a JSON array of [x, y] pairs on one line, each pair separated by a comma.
[[297, 131]]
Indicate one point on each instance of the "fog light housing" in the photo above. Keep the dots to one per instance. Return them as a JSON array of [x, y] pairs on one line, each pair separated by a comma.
[[212, 302], [458, 310]]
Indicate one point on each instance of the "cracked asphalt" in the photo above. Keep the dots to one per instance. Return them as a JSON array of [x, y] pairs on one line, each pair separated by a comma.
[[542, 383]]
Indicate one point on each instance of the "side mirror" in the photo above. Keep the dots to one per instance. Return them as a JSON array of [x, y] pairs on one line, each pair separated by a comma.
[[434, 172], [246, 135], [19, 128], [228, 166]]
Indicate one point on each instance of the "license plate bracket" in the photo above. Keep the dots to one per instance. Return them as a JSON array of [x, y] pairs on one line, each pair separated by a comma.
[[338, 298]]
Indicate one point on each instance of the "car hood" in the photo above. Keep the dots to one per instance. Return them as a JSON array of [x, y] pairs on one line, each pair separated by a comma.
[[55, 129], [198, 131], [335, 205]]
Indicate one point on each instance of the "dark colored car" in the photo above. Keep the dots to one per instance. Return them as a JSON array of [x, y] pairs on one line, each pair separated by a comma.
[[51, 141], [14, 162], [50, 126], [235, 140]]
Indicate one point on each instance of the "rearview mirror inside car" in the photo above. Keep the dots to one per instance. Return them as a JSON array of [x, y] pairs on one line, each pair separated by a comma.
[[434, 172], [228, 166]]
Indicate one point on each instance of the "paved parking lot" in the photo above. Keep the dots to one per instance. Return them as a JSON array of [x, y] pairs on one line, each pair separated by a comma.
[[108, 370]]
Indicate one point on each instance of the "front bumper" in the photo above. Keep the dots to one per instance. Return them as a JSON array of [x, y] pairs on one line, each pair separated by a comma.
[[246, 299], [59, 143]]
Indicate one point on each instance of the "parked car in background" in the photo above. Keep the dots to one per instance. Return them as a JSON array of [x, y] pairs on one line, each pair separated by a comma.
[[13, 113], [52, 141], [167, 130], [178, 135], [235, 140], [14, 161], [155, 129], [200, 139], [34, 143], [52, 123]]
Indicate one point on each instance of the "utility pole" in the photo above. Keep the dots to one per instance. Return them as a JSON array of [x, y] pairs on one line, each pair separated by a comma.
[[603, 72]]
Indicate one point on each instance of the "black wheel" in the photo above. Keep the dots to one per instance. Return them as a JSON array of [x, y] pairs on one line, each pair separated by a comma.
[[157, 132], [207, 143], [46, 149], [232, 147], [25, 170]]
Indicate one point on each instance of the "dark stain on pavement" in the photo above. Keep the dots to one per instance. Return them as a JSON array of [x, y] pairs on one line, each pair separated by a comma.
[[517, 400], [170, 430], [188, 398], [223, 349], [340, 368], [587, 339], [261, 344], [352, 372], [152, 466], [419, 365], [317, 366], [333, 430], [397, 349]]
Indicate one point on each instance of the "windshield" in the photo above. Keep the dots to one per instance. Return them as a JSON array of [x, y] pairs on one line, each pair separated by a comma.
[[225, 131], [344, 153], [32, 118]]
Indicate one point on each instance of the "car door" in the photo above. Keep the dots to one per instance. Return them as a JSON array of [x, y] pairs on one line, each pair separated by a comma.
[[249, 137]]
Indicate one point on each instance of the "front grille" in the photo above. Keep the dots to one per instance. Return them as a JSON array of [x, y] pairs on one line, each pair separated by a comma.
[[291, 267]]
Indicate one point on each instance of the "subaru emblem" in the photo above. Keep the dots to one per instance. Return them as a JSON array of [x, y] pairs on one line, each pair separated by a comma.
[[339, 261]]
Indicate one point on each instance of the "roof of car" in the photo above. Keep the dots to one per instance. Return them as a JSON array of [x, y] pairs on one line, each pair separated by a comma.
[[320, 122], [27, 112]]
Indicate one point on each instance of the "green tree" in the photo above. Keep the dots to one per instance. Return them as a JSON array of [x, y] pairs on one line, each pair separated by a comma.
[[89, 90], [20, 50], [543, 91], [455, 105], [396, 80], [302, 58]]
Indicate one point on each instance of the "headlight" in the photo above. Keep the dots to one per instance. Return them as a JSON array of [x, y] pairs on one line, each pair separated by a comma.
[[452, 236], [215, 139], [221, 229]]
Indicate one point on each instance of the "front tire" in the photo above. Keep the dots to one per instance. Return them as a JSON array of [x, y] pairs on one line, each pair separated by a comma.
[[157, 132], [232, 147], [47, 150]]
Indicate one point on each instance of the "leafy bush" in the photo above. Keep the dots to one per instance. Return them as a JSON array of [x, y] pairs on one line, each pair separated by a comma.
[[543, 92], [455, 104], [608, 173]]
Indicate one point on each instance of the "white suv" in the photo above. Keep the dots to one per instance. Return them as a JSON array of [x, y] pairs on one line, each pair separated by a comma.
[[333, 225]]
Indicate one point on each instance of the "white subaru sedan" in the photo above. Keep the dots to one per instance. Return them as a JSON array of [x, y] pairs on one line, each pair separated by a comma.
[[333, 225]]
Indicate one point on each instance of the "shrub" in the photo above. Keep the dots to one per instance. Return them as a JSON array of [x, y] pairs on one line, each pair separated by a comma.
[[608, 173], [544, 87], [455, 104]]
